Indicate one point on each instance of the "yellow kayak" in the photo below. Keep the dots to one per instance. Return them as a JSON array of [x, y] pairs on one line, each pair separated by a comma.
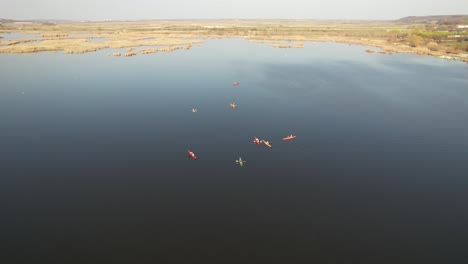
[[267, 143]]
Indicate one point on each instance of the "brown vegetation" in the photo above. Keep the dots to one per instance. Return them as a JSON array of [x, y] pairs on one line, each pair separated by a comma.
[[414, 40], [166, 36], [148, 51], [169, 49], [130, 54], [53, 35], [432, 46]]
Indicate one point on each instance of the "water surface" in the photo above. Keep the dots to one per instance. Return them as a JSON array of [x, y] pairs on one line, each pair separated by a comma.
[[16, 35], [97, 39], [94, 164]]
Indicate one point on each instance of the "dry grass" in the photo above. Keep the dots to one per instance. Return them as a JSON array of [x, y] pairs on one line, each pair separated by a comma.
[[130, 54], [166, 36], [82, 45], [147, 51]]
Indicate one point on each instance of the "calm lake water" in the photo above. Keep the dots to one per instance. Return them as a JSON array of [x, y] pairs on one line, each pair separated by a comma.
[[15, 35], [94, 165]]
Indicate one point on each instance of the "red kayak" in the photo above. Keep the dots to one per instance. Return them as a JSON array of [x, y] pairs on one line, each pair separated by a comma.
[[256, 141], [290, 137], [191, 154], [235, 83]]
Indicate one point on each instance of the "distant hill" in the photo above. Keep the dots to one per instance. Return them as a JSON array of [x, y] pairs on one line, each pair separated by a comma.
[[453, 19]]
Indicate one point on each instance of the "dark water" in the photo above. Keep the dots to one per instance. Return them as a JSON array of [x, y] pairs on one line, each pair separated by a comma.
[[94, 166]]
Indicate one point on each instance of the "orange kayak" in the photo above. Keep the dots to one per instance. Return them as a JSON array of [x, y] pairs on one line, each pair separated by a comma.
[[290, 137]]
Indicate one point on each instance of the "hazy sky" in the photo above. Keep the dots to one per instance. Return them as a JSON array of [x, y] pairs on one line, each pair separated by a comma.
[[213, 9]]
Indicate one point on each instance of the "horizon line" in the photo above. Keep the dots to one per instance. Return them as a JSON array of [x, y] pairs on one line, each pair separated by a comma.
[[215, 19]]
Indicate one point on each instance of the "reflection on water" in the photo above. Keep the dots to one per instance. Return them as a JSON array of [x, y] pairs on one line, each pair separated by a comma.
[[97, 39], [95, 164]]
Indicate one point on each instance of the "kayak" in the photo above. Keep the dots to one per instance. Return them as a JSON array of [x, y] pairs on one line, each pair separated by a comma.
[[191, 154], [290, 137], [266, 143], [240, 162], [256, 141]]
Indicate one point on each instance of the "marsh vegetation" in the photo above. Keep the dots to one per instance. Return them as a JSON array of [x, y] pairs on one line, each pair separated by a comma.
[[435, 39]]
